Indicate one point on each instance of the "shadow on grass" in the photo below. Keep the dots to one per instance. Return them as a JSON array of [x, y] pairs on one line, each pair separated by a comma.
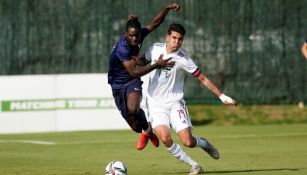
[[255, 170], [245, 171], [201, 122]]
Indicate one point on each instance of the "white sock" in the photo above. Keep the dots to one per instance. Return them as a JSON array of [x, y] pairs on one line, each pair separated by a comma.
[[200, 142], [179, 153]]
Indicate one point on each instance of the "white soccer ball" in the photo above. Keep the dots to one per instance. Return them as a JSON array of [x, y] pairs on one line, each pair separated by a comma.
[[116, 167]]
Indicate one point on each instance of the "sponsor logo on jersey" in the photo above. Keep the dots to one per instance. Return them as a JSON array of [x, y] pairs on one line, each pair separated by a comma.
[[181, 54]]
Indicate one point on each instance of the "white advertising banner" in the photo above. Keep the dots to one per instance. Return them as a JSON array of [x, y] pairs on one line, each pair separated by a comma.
[[69, 102]]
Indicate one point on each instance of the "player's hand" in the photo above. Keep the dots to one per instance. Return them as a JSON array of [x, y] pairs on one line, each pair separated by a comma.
[[165, 63], [227, 100], [173, 6]]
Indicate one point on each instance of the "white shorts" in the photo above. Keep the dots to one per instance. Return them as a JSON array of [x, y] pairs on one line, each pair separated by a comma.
[[175, 116]]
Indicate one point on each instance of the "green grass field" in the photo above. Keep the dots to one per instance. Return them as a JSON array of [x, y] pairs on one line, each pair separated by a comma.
[[250, 150]]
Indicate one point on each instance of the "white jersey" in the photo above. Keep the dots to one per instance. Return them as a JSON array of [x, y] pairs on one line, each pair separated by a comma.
[[166, 86]]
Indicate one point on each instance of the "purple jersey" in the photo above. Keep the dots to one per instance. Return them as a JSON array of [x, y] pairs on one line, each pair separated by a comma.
[[118, 75]]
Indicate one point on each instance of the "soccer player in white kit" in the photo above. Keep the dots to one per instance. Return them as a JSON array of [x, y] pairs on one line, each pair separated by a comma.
[[166, 107]]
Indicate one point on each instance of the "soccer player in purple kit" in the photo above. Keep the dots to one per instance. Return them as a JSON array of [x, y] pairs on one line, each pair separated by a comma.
[[125, 70]]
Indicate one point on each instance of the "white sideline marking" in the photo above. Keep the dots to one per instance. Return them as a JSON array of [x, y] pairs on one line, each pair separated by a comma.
[[36, 142], [97, 141], [39, 142]]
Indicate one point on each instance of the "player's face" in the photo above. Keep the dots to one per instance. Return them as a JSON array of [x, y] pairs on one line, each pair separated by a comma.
[[133, 36], [174, 41]]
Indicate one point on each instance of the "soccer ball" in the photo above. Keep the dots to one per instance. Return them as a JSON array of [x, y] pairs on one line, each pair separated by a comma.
[[116, 167]]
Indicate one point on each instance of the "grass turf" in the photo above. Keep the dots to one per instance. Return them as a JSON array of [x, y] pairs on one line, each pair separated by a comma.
[[252, 150]]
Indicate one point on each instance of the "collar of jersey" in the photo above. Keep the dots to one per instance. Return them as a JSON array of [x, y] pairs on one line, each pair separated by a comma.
[[173, 54]]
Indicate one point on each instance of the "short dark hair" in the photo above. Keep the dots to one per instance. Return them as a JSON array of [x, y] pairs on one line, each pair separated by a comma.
[[176, 28], [133, 22]]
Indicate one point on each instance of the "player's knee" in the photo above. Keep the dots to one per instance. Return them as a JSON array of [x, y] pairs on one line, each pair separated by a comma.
[[133, 112], [133, 109], [189, 143], [166, 140]]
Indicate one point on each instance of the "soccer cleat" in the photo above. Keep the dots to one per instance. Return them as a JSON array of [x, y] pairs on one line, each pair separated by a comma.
[[211, 150], [197, 169], [154, 139], [142, 142]]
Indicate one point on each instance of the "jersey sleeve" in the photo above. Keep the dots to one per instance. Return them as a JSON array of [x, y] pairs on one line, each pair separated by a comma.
[[123, 54], [189, 65], [144, 32]]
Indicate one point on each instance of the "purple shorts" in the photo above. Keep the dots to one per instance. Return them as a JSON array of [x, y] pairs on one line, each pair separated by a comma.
[[120, 95]]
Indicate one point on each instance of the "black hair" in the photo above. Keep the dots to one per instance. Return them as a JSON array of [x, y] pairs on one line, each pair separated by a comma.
[[133, 22], [176, 28]]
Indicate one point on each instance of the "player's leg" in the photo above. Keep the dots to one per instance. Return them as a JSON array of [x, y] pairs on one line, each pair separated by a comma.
[[185, 136], [135, 121], [136, 116], [163, 132], [133, 96], [159, 117], [128, 101], [188, 140], [180, 124]]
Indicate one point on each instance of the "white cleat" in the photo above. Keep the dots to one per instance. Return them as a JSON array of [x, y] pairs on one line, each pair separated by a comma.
[[197, 169]]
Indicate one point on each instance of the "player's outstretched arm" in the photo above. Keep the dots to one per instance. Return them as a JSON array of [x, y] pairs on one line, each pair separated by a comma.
[[304, 49], [212, 87], [135, 70], [160, 17]]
